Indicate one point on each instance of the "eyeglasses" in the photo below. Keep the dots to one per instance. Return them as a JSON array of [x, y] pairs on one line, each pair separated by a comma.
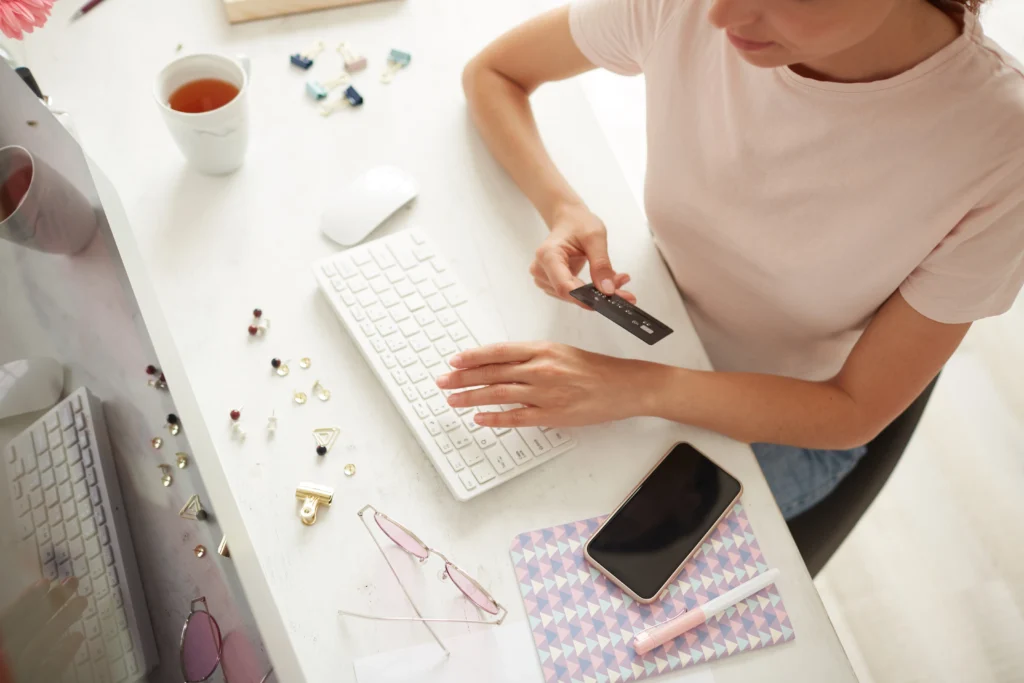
[[410, 543], [201, 646]]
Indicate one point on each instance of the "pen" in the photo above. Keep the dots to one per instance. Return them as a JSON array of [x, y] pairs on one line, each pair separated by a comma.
[[85, 8], [659, 634]]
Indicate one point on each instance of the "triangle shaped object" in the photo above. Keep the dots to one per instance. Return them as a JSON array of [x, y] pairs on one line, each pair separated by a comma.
[[192, 508], [326, 436]]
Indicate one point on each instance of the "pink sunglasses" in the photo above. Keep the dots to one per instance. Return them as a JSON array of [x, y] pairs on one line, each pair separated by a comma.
[[410, 543]]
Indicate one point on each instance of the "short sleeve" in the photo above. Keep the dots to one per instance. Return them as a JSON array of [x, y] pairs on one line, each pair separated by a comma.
[[618, 34], [977, 270]]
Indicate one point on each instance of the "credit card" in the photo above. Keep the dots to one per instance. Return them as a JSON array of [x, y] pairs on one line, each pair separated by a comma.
[[629, 317]]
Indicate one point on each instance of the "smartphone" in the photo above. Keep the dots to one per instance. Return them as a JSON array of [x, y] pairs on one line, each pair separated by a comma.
[[646, 541]]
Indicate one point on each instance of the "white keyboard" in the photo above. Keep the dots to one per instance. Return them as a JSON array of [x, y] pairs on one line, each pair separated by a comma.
[[65, 494], [407, 312]]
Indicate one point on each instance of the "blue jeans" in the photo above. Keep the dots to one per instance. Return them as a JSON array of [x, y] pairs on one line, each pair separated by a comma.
[[800, 478]]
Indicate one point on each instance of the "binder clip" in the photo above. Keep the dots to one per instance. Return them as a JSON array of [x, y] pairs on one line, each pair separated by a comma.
[[397, 60], [353, 62], [312, 497], [350, 98], [304, 60], [318, 90]]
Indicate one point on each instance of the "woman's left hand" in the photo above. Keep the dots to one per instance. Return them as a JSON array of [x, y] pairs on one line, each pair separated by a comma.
[[558, 385]]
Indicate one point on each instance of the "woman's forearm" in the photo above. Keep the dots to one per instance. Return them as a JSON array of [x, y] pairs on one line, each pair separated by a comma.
[[501, 110], [756, 408]]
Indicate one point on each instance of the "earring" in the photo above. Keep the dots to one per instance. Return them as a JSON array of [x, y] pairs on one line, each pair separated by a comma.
[[260, 325]]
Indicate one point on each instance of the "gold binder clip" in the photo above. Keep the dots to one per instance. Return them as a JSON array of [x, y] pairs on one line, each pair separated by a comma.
[[312, 497]]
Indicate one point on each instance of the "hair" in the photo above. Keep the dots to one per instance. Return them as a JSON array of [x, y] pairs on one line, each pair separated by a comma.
[[972, 6]]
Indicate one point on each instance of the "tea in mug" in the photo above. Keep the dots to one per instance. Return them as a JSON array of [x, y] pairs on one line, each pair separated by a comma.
[[202, 95]]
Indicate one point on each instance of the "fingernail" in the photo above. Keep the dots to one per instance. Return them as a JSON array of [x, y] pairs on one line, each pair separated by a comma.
[[453, 400], [455, 360], [626, 279], [480, 418], [443, 381], [607, 286]]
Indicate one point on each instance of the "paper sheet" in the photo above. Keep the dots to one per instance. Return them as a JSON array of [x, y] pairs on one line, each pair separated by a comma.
[[503, 654]]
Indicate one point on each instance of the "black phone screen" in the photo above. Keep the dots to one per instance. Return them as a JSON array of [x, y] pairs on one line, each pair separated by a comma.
[[647, 539]]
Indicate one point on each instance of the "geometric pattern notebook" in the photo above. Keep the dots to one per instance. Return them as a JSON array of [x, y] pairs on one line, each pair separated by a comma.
[[583, 624]]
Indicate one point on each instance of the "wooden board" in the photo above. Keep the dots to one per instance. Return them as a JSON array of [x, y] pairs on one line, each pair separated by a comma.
[[248, 10]]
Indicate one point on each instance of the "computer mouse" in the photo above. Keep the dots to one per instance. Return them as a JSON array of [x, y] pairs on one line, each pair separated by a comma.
[[30, 385], [366, 202]]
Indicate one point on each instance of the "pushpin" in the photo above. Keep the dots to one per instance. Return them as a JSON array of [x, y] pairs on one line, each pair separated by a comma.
[[353, 62], [397, 60], [304, 60], [318, 90], [350, 98]]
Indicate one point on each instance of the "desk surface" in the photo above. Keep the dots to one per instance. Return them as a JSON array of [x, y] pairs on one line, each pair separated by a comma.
[[202, 252]]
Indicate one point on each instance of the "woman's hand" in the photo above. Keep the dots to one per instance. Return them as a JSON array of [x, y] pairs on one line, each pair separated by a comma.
[[34, 637], [577, 237], [558, 385]]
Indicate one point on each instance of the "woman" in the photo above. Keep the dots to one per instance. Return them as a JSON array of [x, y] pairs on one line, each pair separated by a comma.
[[836, 185]]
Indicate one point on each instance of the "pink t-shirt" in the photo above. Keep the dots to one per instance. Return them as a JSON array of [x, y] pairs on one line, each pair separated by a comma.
[[790, 209]]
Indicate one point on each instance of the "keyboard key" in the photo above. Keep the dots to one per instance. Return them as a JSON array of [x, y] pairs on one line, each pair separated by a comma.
[[74, 454], [38, 441], [443, 280], [419, 342], [69, 436], [328, 269], [361, 257], [418, 275], [423, 252], [399, 313], [399, 376], [35, 498], [449, 422], [380, 284], [81, 490], [499, 459], [382, 256], [437, 405], [436, 302], [77, 547], [469, 419], [404, 288], [51, 496], [467, 480], [467, 344], [424, 317], [426, 288], [439, 265], [357, 312], [385, 327], [410, 392], [485, 438], [31, 480], [444, 443], [409, 328], [483, 472], [358, 284], [368, 328], [65, 415], [338, 283], [390, 298], [445, 347], [403, 255], [454, 459], [64, 489], [515, 445], [379, 345], [557, 437], [458, 331], [345, 267], [54, 439], [416, 237], [394, 275], [376, 312], [432, 425], [461, 438], [455, 296], [447, 317], [369, 270], [421, 410], [427, 388], [388, 359], [434, 331], [415, 302], [417, 372], [366, 298], [405, 357], [438, 370], [535, 440], [349, 298], [396, 343]]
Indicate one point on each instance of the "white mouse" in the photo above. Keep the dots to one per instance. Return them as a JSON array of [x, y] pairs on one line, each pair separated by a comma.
[[366, 202], [30, 385]]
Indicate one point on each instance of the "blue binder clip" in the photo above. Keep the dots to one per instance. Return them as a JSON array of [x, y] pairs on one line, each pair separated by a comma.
[[304, 60]]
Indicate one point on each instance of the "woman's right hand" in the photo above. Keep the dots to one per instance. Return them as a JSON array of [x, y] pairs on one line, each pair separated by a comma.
[[577, 237]]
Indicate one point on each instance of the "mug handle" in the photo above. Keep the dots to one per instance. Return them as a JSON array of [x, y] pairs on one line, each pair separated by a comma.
[[245, 64]]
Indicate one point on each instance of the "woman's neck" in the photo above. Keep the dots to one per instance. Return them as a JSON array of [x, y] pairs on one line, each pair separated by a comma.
[[913, 32]]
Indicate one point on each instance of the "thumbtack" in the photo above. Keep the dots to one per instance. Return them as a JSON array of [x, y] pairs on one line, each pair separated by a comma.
[[353, 62], [397, 60], [304, 60], [312, 497], [165, 470]]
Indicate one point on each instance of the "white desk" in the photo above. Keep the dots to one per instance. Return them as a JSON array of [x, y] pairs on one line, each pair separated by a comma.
[[202, 252]]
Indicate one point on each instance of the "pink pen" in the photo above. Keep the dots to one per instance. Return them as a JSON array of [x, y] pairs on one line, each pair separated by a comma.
[[659, 634]]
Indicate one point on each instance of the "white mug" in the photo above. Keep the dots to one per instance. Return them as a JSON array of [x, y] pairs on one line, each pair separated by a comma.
[[213, 141]]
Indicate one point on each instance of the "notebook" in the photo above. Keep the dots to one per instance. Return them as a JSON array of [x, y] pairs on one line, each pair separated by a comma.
[[583, 624]]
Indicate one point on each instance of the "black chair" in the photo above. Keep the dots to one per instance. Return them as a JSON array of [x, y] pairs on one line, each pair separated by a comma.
[[818, 532]]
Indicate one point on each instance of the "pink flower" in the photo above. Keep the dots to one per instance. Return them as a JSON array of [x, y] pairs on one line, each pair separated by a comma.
[[21, 16]]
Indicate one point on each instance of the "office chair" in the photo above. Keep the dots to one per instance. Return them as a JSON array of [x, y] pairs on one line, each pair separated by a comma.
[[818, 532]]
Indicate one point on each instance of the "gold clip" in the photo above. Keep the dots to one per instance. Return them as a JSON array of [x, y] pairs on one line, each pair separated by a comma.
[[313, 496]]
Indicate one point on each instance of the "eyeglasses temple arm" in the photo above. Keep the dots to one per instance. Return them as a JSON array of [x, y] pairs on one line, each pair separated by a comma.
[[363, 615], [402, 586]]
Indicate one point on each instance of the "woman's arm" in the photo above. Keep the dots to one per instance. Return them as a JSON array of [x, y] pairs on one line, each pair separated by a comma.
[[498, 83], [894, 360]]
